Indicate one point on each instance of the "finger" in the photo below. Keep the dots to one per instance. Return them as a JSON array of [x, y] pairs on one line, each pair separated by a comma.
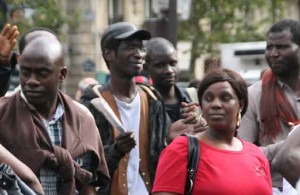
[[12, 44], [14, 35], [184, 104], [199, 129], [12, 32], [5, 30], [189, 119]]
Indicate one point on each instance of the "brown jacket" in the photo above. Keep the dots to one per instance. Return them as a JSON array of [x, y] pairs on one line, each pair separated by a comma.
[[23, 133]]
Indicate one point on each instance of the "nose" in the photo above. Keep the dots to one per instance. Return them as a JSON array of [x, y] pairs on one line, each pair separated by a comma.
[[140, 52], [216, 103], [169, 69], [32, 81], [273, 52]]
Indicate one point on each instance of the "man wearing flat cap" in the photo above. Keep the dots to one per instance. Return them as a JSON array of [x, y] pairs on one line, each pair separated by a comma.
[[131, 156]]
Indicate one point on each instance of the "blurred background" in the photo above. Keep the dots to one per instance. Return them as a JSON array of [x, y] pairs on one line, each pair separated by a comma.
[[206, 33]]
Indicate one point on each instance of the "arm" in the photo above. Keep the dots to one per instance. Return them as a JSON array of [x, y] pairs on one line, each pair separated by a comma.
[[287, 159], [20, 169], [7, 57], [249, 128]]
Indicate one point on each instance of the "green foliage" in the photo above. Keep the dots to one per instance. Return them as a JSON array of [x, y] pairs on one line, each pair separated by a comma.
[[226, 21], [46, 13]]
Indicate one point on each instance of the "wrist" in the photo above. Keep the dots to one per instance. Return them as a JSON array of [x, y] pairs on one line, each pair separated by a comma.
[[5, 60]]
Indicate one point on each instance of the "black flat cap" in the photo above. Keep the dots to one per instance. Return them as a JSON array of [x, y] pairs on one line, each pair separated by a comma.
[[121, 31]]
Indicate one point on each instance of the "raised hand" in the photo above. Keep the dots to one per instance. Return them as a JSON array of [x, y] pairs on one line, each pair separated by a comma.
[[185, 125], [188, 110], [8, 40]]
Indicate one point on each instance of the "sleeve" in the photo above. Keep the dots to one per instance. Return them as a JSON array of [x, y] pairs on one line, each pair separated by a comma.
[[171, 171], [5, 73], [249, 128], [112, 156], [271, 150]]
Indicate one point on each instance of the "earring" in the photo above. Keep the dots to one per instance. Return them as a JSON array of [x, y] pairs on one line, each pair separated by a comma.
[[238, 123], [202, 120]]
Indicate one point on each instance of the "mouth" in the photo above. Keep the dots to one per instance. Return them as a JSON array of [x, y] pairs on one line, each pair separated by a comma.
[[169, 78], [216, 116], [32, 93]]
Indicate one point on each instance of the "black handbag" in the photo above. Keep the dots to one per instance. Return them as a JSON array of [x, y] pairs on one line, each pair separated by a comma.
[[193, 161], [11, 184]]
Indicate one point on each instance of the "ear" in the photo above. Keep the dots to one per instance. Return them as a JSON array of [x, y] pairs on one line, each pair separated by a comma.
[[242, 104], [19, 57], [63, 73], [109, 54]]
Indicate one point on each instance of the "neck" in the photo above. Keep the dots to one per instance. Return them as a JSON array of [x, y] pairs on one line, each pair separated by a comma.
[[123, 89], [220, 136], [168, 94], [293, 81], [47, 110]]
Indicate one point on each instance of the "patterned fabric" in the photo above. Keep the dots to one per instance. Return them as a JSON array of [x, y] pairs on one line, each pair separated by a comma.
[[274, 106], [49, 179], [159, 123]]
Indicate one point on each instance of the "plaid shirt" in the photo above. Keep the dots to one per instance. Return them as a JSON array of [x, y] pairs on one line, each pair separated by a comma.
[[49, 179]]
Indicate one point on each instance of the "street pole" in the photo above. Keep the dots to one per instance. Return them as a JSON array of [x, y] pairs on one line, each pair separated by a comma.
[[172, 22]]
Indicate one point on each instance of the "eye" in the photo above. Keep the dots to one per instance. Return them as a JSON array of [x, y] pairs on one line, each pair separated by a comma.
[[226, 97], [25, 72], [207, 98], [269, 47], [173, 64], [43, 73]]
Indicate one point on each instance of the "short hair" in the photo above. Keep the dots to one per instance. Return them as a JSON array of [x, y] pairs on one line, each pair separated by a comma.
[[234, 79], [157, 44], [22, 40], [287, 24]]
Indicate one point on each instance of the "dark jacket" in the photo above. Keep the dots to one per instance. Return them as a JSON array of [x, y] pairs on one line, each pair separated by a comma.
[[5, 74], [158, 125], [173, 110]]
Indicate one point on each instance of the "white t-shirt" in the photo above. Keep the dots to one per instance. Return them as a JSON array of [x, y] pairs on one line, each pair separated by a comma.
[[130, 118]]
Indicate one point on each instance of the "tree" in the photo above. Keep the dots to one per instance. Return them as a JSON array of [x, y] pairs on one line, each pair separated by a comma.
[[46, 13], [226, 21]]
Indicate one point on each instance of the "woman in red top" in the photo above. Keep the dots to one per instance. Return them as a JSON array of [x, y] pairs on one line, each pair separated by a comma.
[[227, 165]]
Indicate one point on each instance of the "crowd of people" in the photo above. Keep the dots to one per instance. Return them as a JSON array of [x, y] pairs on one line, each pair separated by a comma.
[[59, 145]]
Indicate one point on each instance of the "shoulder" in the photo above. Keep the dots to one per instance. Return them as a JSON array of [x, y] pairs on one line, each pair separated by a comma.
[[191, 93], [251, 148], [179, 144], [91, 92], [83, 108], [255, 89], [151, 92]]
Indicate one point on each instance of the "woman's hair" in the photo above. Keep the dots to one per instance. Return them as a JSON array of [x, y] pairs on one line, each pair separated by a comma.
[[234, 79]]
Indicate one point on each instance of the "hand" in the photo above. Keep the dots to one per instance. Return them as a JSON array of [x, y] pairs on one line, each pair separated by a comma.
[[8, 40], [188, 110], [184, 126], [125, 142]]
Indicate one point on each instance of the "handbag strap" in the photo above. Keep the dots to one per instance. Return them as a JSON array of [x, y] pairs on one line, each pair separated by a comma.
[[193, 161]]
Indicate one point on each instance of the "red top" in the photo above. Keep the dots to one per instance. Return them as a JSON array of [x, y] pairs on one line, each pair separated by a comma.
[[219, 172]]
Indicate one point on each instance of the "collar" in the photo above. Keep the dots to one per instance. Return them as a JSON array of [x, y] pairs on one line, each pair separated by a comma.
[[58, 112]]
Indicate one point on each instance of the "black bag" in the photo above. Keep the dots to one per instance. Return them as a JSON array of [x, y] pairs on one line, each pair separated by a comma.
[[11, 184], [193, 161]]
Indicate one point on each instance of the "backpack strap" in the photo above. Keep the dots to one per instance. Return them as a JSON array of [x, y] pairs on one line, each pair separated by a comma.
[[193, 161]]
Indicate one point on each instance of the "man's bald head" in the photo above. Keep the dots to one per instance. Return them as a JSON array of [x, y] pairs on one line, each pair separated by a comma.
[[158, 46], [32, 34], [46, 46]]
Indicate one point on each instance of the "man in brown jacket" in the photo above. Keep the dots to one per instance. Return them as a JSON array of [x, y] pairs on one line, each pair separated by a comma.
[[46, 130]]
